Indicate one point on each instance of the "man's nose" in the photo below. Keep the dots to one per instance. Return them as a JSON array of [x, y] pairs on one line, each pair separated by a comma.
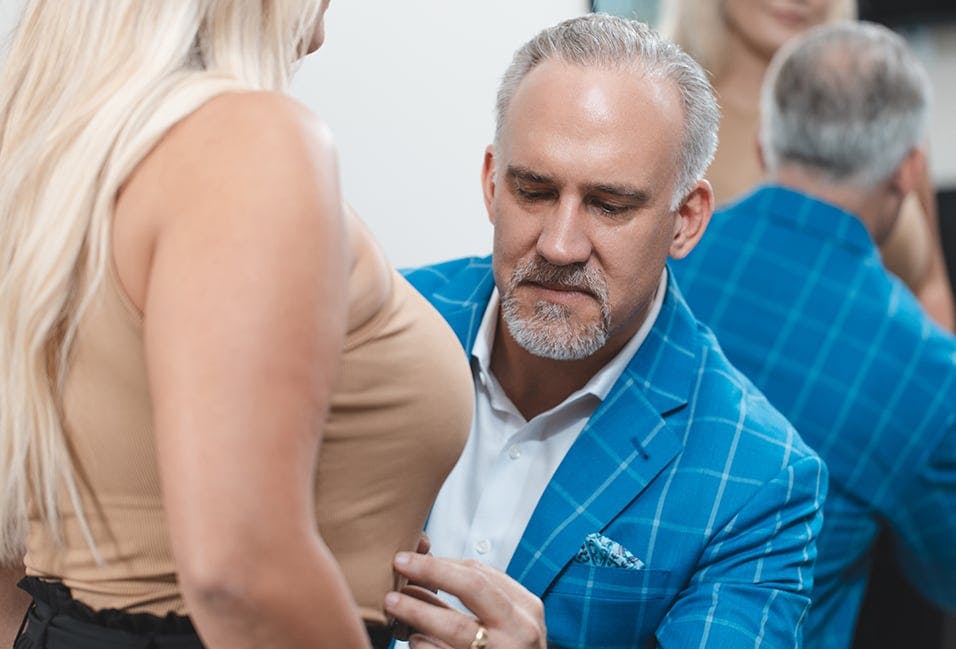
[[564, 237]]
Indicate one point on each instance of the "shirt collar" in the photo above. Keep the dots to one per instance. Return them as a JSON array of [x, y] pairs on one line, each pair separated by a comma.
[[601, 383]]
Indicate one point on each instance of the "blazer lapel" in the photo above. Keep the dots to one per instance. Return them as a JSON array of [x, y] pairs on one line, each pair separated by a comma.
[[625, 444], [463, 299]]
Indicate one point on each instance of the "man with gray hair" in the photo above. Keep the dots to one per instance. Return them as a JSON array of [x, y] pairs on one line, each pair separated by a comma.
[[623, 485], [791, 282]]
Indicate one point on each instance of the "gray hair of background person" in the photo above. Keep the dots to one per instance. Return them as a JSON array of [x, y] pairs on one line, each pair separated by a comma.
[[614, 43], [849, 100]]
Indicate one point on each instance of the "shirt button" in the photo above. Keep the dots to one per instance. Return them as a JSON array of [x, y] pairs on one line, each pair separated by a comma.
[[483, 546], [514, 452]]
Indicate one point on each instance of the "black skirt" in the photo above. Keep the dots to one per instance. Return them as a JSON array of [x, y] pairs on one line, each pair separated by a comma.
[[57, 621]]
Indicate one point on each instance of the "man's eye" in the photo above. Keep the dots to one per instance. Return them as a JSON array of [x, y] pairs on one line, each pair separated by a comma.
[[608, 208], [533, 194]]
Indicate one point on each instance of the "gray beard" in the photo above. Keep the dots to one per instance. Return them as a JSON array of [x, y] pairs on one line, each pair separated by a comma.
[[550, 332]]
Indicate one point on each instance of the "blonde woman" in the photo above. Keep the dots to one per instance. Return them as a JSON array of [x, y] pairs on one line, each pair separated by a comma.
[[218, 419], [735, 40]]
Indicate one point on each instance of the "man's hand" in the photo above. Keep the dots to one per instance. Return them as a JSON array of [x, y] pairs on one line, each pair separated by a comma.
[[400, 630], [424, 544], [511, 616]]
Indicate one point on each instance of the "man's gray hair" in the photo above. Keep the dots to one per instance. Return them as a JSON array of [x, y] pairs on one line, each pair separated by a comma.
[[611, 42], [849, 100]]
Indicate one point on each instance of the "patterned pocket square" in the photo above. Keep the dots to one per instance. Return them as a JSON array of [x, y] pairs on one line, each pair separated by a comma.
[[598, 550]]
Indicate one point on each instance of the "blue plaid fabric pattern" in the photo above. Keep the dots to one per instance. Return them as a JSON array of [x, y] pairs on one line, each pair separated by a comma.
[[800, 302], [686, 466]]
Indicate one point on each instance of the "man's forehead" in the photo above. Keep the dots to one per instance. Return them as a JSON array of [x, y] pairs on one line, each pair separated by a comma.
[[562, 100], [591, 83]]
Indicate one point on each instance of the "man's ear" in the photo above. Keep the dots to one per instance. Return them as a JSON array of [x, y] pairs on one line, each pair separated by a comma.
[[488, 181], [911, 172], [691, 219]]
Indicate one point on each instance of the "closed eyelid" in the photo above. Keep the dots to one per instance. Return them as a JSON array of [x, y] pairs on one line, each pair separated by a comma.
[[528, 186], [625, 196], [531, 185], [533, 194]]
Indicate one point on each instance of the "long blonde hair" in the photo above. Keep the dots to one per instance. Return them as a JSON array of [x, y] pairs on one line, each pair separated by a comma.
[[87, 89], [699, 28]]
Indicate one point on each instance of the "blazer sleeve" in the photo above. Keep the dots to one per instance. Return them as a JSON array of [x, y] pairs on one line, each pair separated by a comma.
[[752, 585], [923, 524]]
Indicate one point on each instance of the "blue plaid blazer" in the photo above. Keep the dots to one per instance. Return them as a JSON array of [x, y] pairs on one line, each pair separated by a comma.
[[688, 467], [800, 302]]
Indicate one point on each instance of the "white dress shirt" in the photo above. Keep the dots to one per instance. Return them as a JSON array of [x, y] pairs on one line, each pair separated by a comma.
[[487, 500]]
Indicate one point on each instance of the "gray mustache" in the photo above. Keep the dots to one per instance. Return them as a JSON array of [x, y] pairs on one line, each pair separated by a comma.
[[577, 276]]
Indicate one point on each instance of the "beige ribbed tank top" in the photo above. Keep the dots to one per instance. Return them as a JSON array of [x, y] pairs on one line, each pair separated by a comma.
[[400, 414]]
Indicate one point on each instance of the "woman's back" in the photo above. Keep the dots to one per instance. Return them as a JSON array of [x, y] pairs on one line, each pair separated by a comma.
[[226, 398], [386, 446], [384, 437]]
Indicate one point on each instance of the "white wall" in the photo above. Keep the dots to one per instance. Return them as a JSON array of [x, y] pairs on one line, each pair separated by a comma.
[[936, 48], [408, 88], [8, 15]]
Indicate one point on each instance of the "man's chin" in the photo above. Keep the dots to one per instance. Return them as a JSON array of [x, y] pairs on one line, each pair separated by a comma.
[[561, 350], [558, 339]]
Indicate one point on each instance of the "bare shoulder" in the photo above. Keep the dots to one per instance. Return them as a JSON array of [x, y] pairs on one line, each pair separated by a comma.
[[260, 159], [248, 153], [255, 114], [254, 144], [257, 131]]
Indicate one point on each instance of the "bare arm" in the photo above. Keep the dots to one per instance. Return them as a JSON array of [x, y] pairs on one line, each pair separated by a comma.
[[13, 603], [914, 253], [244, 321]]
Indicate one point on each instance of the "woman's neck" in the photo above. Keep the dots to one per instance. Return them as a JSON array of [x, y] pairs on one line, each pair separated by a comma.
[[738, 81]]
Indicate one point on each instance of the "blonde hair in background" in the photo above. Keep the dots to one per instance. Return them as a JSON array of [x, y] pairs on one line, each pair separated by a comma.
[[698, 27], [87, 89]]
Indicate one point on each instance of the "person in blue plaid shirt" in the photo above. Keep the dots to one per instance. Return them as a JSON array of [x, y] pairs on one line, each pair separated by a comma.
[[791, 281], [623, 485]]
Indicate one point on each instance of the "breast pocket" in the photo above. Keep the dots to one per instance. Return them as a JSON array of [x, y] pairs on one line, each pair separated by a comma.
[[599, 607]]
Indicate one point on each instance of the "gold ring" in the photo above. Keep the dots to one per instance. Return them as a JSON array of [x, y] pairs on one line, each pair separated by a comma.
[[481, 638]]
